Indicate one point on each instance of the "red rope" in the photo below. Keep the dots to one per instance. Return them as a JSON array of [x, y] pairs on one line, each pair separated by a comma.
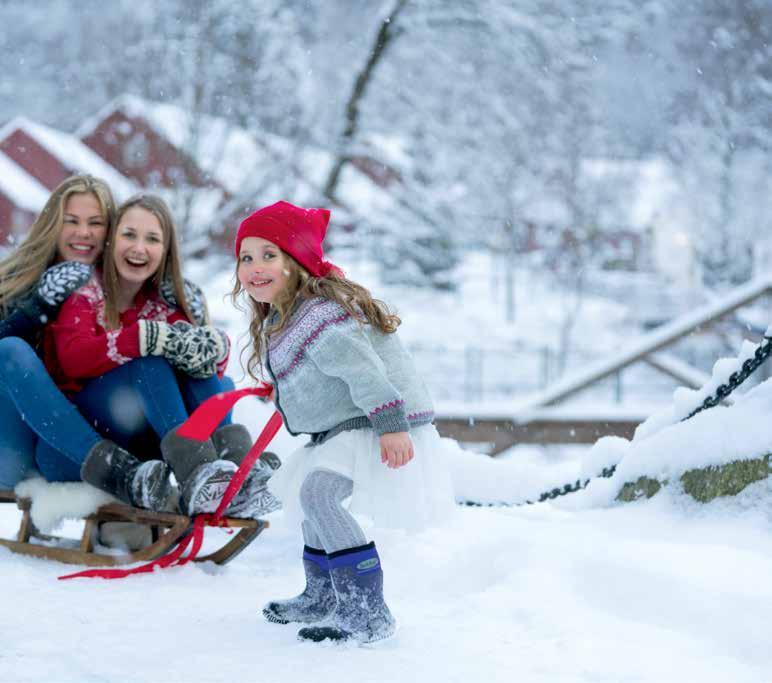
[[199, 427]]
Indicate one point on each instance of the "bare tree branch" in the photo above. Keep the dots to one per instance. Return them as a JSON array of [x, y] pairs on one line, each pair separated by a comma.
[[385, 35]]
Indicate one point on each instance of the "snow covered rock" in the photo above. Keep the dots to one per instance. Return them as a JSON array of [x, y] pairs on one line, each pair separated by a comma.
[[643, 487], [707, 483]]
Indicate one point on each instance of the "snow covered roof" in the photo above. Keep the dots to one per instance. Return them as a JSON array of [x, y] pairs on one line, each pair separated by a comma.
[[72, 153], [20, 187], [228, 153]]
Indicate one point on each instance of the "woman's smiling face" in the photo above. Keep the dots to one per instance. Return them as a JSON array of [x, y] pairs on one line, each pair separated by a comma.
[[139, 246], [83, 231]]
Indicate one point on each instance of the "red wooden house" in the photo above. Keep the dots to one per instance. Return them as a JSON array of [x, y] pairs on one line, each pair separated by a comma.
[[127, 135], [147, 142], [21, 199], [216, 173], [50, 156]]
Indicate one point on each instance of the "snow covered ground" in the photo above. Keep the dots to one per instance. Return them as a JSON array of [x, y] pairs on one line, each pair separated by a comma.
[[579, 589], [662, 591]]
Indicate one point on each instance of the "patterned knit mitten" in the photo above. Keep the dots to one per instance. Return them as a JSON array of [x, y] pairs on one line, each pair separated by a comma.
[[194, 350], [53, 288]]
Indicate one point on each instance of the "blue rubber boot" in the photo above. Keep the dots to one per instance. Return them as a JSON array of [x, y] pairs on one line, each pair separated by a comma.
[[317, 599], [360, 614]]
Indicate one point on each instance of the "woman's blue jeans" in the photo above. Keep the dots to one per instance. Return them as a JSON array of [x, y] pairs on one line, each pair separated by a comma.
[[34, 411], [134, 405]]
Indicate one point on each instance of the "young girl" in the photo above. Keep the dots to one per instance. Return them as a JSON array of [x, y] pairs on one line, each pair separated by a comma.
[[56, 258], [118, 343], [340, 375]]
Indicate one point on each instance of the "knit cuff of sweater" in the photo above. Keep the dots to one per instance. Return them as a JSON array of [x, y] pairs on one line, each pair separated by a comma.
[[390, 417]]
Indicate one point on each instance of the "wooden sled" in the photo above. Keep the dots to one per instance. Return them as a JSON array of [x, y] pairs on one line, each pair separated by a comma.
[[166, 530]]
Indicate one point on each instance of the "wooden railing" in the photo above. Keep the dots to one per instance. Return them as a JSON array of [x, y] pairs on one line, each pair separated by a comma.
[[527, 421]]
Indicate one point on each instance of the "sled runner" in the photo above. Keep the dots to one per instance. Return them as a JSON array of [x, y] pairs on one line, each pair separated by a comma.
[[166, 530]]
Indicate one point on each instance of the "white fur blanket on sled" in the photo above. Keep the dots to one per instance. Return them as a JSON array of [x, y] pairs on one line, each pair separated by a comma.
[[53, 502]]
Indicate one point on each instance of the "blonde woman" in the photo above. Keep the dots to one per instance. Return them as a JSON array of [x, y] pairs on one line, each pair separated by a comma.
[[56, 258]]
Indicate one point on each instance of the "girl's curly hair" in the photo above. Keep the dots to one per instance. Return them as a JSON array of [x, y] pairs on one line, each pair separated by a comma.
[[301, 286]]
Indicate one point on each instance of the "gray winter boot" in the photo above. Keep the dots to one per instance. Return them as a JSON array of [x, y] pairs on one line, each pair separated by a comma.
[[360, 613], [143, 484], [233, 442], [201, 476], [317, 599]]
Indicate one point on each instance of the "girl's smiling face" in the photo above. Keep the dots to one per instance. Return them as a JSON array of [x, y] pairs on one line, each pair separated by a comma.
[[263, 271], [139, 247], [83, 231]]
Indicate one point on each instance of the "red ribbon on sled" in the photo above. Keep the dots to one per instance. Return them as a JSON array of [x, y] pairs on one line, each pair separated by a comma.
[[200, 426]]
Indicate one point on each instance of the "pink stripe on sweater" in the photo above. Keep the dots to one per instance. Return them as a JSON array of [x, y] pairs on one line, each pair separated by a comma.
[[308, 341]]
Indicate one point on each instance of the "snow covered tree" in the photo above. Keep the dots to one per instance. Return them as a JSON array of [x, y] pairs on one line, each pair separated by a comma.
[[482, 113], [722, 137]]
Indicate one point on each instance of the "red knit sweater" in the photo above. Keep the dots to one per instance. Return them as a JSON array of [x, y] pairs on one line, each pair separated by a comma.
[[78, 347]]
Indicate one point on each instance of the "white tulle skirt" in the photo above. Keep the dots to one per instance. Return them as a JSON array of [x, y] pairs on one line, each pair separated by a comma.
[[412, 497]]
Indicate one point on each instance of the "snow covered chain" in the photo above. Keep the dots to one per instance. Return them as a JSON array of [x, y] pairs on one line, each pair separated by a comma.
[[762, 352]]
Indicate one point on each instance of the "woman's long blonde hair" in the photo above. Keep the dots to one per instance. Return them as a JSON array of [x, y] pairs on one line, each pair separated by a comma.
[[301, 286], [23, 268], [170, 267]]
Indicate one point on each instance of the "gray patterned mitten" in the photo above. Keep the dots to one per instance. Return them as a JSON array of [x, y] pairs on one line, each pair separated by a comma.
[[157, 338], [53, 288], [206, 347], [194, 350], [194, 296]]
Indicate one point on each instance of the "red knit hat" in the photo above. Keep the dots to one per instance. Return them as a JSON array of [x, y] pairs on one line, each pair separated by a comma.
[[295, 230]]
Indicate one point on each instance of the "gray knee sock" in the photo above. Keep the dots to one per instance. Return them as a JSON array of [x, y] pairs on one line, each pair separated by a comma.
[[321, 497], [310, 536]]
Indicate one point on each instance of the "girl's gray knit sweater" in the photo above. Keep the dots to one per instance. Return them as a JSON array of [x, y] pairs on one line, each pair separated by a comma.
[[333, 373]]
